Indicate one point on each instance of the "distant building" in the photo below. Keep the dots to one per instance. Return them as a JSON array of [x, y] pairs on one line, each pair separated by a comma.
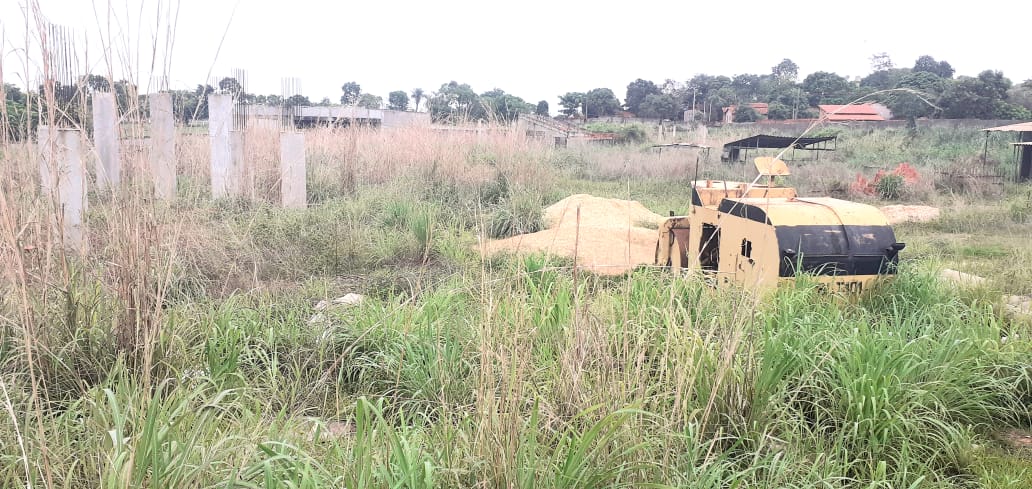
[[760, 108], [851, 112]]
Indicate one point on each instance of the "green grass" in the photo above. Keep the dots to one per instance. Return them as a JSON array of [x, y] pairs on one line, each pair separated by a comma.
[[513, 371]]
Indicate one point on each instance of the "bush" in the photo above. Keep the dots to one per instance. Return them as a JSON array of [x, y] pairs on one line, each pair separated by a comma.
[[520, 214], [890, 186]]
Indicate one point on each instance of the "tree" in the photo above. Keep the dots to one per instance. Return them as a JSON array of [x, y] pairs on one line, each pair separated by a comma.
[[454, 102], [823, 87], [541, 109], [749, 88], [929, 64], [637, 91], [571, 103], [919, 97], [417, 97], [230, 85], [325, 102], [785, 72], [370, 101], [744, 113], [498, 105], [981, 97], [600, 102], [297, 101], [397, 100], [352, 91], [660, 106], [1021, 94], [884, 79], [779, 111]]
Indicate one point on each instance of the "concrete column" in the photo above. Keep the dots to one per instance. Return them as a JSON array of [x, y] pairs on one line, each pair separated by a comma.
[[163, 146], [293, 173], [238, 182], [220, 123], [105, 139], [62, 170]]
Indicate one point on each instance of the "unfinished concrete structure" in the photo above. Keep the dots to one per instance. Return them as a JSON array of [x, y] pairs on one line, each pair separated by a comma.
[[306, 116], [162, 146], [225, 176], [63, 180], [293, 171], [105, 140]]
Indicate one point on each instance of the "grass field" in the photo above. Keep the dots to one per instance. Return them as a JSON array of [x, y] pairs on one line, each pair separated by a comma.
[[179, 349]]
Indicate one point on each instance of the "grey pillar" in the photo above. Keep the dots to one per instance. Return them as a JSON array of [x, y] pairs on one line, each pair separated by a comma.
[[239, 178], [105, 139], [220, 124], [163, 146], [293, 187], [62, 170]]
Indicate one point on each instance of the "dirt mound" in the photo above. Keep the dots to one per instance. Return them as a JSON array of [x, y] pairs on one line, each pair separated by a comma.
[[910, 213], [614, 235]]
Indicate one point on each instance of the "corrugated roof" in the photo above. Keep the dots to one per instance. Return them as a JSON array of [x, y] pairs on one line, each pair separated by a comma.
[[776, 142], [1019, 127]]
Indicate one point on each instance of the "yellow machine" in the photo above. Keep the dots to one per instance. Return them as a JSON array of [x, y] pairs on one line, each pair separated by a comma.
[[759, 235]]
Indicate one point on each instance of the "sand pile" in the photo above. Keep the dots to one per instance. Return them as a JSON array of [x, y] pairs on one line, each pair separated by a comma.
[[615, 235], [910, 213]]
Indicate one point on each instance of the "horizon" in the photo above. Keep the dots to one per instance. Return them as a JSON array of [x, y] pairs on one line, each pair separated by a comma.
[[427, 48]]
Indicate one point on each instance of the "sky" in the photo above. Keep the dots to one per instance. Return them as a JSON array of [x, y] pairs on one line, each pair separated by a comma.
[[535, 49]]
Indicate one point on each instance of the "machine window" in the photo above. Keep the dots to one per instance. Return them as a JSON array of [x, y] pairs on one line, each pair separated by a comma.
[[747, 248]]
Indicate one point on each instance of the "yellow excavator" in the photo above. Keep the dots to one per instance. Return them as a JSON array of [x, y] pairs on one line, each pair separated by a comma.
[[759, 235]]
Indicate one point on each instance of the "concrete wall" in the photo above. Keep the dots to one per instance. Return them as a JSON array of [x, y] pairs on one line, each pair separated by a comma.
[[397, 118]]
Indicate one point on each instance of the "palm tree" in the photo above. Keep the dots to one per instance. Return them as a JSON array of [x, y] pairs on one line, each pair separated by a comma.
[[417, 96]]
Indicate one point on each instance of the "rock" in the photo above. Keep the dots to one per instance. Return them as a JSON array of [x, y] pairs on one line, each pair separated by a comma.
[[961, 278]]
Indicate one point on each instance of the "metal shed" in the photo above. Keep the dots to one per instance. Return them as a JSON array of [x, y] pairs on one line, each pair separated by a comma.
[[1022, 148], [738, 150]]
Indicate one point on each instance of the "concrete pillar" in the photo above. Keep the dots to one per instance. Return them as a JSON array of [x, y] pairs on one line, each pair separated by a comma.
[[163, 146], [220, 124], [62, 170], [105, 139], [238, 183], [293, 173]]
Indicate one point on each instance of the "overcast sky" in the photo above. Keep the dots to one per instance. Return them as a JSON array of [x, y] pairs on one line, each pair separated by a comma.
[[535, 49]]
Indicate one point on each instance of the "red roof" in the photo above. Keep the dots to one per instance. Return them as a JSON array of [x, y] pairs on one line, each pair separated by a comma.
[[851, 112]]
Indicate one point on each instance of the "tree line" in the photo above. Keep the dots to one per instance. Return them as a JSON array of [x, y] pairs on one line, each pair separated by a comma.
[[926, 89]]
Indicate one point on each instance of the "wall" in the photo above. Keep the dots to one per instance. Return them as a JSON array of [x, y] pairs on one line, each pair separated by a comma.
[[397, 118]]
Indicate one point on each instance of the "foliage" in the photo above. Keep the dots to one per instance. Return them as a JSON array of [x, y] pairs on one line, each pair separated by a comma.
[[571, 103], [370, 101], [454, 102], [541, 109], [638, 92], [785, 72], [397, 100], [828, 88], [778, 111], [981, 97], [745, 113], [600, 102], [922, 91], [660, 106], [501, 106], [928, 64], [417, 97], [352, 92], [884, 79]]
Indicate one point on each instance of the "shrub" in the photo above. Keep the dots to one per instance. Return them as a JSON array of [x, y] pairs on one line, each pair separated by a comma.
[[890, 186]]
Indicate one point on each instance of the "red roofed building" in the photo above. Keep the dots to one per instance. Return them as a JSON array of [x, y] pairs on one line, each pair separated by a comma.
[[760, 108], [852, 112]]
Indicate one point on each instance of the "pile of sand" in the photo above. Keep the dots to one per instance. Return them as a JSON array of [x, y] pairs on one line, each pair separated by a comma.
[[910, 213], [614, 235]]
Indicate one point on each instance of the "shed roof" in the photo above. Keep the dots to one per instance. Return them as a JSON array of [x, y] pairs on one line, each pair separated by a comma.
[[766, 141], [1019, 127]]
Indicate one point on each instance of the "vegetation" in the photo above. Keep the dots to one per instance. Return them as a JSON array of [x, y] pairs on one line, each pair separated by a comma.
[[458, 371]]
